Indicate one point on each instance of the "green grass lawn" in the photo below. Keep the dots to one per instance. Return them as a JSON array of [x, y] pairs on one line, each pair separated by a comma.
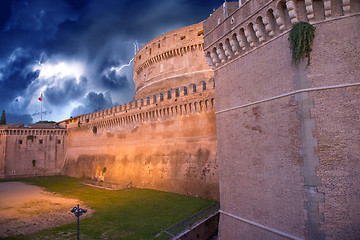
[[122, 214]]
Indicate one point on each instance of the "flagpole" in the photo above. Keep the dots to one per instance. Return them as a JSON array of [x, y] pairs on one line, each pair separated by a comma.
[[40, 99]]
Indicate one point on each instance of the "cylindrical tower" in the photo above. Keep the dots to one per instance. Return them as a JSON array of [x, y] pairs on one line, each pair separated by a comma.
[[171, 60]]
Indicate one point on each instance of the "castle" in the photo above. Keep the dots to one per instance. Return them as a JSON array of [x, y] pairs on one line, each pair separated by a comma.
[[280, 148]]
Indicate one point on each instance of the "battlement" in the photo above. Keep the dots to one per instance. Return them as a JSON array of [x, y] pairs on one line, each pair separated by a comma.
[[177, 39], [172, 59], [31, 129], [256, 23], [170, 104], [180, 51]]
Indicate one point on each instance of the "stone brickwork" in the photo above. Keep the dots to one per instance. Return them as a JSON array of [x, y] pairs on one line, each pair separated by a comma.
[[288, 141], [169, 145], [35, 150]]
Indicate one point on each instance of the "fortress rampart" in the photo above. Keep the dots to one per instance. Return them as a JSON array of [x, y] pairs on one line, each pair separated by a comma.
[[171, 60], [169, 145], [31, 151], [256, 23], [150, 108], [287, 135], [165, 138]]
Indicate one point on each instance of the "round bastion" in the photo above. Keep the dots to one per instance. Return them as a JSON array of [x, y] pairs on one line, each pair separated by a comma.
[[171, 60]]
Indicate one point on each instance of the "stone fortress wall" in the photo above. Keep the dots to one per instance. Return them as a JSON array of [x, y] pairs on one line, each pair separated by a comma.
[[288, 137], [166, 137], [20, 145]]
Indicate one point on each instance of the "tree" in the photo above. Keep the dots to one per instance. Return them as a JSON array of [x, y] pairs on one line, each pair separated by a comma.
[[45, 122], [3, 118]]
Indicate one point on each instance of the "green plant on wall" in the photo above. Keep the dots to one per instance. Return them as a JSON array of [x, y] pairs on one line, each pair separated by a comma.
[[301, 37], [104, 170], [94, 129], [33, 162]]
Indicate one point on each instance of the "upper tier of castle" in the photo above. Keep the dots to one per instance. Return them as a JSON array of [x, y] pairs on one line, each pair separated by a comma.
[[233, 31], [171, 60]]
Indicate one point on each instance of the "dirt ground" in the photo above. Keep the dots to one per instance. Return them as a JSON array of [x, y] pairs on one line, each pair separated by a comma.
[[25, 209]]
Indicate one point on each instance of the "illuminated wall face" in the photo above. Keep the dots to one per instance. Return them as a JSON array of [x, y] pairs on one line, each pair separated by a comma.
[[170, 145]]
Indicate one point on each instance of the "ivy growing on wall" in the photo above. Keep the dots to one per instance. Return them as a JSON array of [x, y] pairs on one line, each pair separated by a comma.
[[301, 37]]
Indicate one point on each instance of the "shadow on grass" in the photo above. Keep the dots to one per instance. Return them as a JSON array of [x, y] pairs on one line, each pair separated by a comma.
[[121, 214]]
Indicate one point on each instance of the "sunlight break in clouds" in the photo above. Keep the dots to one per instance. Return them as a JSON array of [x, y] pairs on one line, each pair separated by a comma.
[[61, 69]]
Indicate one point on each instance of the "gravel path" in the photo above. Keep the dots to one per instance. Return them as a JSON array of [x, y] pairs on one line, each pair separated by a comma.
[[25, 209]]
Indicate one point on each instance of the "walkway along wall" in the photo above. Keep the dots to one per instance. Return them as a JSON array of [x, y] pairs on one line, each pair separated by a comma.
[[288, 137]]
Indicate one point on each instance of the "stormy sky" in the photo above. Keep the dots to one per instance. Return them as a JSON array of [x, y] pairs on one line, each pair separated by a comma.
[[78, 53]]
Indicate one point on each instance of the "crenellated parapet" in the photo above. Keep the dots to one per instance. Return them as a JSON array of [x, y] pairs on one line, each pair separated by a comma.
[[161, 106], [253, 25], [171, 60], [21, 130], [179, 51]]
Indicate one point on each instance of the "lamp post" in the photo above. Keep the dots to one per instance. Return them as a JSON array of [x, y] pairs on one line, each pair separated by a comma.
[[78, 212]]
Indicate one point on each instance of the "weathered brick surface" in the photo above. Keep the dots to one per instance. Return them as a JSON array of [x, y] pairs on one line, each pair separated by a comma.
[[335, 60], [241, 230], [337, 130], [259, 156], [260, 166], [19, 146], [307, 145], [175, 152]]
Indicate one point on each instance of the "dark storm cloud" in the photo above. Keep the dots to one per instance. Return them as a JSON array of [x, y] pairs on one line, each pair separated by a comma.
[[69, 90], [16, 75], [93, 102], [5, 12], [112, 81], [99, 34], [18, 118], [31, 24], [128, 20]]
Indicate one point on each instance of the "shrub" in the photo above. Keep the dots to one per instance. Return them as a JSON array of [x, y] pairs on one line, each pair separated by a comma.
[[301, 37]]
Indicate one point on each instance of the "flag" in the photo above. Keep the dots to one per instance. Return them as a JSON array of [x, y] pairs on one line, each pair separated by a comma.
[[41, 97]]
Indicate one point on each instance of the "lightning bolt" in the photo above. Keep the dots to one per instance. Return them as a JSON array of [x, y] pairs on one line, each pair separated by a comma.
[[136, 48]]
